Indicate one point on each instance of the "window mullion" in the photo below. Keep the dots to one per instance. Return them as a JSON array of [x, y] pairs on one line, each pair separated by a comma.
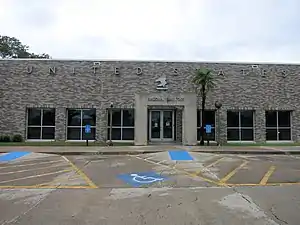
[[240, 130], [41, 134], [121, 124], [277, 126], [81, 116]]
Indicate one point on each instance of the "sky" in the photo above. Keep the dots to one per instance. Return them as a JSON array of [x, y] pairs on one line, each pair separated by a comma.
[[171, 30]]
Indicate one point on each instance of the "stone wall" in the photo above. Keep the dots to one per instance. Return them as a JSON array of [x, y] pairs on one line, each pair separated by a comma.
[[76, 84]]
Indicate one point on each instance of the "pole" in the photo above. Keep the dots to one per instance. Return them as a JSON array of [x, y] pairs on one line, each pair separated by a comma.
[[219, 127], [110, 129]]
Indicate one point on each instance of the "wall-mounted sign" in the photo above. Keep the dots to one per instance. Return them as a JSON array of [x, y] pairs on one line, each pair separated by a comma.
[[167, 99]]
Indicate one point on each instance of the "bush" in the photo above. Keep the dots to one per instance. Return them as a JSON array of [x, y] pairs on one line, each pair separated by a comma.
[[1, 138], [6, 138], [17, 138]]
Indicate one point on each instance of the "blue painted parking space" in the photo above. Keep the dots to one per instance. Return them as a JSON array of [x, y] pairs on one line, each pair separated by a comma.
[[142, 178], [180, 155], [12, 156]]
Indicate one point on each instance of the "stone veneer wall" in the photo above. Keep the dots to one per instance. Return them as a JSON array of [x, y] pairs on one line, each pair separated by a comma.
[[238, 86]]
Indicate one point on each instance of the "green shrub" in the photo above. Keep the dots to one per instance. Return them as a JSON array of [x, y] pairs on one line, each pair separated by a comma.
[[1, 138], [6, 138], [17, 138]]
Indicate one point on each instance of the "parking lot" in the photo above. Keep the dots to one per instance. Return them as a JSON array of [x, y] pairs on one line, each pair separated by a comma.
[[236, 170], [157, 188], [148, 170]]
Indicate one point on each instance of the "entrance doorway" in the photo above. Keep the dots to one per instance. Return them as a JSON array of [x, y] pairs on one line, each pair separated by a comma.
[[161, 125]]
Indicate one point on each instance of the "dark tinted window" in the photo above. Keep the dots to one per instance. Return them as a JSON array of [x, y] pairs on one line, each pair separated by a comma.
[[271, 119], [89, 117], [34, 117], [128, 118], [284, 119], [246, 118], [48, 117], [232, 119], [74, 117]]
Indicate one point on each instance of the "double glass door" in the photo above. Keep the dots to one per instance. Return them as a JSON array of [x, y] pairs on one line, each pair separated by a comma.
[[161, 125]]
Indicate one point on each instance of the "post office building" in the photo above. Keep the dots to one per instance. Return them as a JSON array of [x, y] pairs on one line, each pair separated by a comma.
[[146, 102]]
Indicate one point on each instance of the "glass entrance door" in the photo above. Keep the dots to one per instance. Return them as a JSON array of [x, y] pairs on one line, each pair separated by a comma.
[[161, 125]]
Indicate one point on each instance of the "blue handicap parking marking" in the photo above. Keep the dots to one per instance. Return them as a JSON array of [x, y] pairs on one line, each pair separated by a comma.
[[141, 178], [180, 155], [12, 155]]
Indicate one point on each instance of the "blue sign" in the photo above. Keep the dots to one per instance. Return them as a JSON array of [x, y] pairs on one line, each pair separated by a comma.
[[87, 129], [208, 128], [139, 179]]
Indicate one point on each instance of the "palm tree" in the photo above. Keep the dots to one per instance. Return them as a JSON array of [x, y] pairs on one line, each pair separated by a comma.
[[204, 82]]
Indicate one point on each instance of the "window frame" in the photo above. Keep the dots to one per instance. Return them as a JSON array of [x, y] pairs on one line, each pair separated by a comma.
[[81, 124], [41, 126], [277, 128], [121, 127], [240, 128], [212, 127]]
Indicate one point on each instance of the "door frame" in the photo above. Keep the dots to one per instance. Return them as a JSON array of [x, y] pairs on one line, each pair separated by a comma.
[[161, 114]]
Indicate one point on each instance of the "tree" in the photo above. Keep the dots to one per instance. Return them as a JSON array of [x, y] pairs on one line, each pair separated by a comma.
[[204, 82], [11, 47]]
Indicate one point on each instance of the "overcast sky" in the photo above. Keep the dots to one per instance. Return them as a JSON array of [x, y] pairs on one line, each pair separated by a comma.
[[197, 30]]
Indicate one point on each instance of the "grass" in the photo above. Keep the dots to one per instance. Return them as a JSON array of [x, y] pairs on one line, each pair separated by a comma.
[[255, 144], [61, 143], [65, 143], [263, 144]]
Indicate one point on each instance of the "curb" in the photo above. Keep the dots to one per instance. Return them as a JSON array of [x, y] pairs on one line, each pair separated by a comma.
[[98, 153], [151, 151], [102, 153]]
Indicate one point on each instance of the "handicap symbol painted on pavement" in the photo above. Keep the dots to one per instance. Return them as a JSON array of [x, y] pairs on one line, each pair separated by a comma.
[[138, 179], [144, 179]]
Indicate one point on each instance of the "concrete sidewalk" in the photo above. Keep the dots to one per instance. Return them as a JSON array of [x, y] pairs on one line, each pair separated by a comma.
[[118, 150]]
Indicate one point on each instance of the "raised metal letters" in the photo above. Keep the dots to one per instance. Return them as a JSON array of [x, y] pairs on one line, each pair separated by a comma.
[[175, 71], [95, 67], [29, 69], [264, 73], [117, 71], [139, 71], [243, 72], [251, 69], [168, 99], [52, 70], [221, 73], [283, 73]]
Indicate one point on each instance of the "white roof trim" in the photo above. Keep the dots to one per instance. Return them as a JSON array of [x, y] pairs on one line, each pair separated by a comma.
[[158, 61]]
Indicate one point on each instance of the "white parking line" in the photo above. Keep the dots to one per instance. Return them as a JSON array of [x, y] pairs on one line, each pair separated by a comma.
[[31, 164], [160, 162], [151, 157], [41, 168], [39, 175]]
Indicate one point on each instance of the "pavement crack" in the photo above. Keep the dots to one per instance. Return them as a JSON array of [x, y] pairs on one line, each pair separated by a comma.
[[15, 220], [273, 213], [246, 199]]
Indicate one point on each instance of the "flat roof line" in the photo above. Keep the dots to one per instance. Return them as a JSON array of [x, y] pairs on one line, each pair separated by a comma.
[[158, 61]]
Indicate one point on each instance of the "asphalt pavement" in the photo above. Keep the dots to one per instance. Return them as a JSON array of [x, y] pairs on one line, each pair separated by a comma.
[[155, 188]]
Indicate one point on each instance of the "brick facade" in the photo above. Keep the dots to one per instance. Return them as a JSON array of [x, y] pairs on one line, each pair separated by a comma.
[[77, 84]]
